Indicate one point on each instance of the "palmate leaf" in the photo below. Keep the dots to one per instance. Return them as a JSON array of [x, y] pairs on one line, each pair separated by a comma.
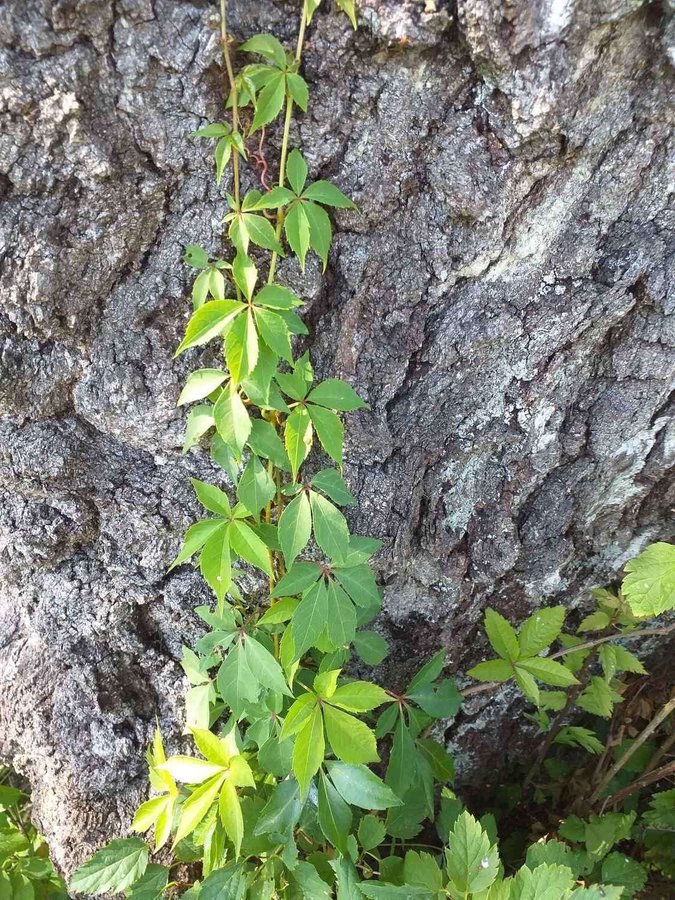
[[270, 102], [268, 46]]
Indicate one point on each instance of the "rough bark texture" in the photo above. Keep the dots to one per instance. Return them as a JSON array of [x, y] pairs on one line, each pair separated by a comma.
[[501, 301]]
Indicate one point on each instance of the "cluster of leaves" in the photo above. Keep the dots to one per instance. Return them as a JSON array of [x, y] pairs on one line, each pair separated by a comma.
[[25, 869], [279, 797]]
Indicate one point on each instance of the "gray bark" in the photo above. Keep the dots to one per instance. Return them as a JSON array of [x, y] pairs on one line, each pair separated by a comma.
[[501, 301]]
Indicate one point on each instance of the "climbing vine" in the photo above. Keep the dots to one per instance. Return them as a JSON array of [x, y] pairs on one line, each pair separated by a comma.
[[305, 781]]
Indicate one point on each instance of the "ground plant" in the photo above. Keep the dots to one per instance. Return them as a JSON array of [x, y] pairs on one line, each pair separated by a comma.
[[301, 780]]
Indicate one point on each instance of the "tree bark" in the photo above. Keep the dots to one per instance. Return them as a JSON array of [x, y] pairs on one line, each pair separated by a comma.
[[501, 300]]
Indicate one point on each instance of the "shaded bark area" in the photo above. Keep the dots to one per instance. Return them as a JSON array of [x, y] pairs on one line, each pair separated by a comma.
[[503, 301]]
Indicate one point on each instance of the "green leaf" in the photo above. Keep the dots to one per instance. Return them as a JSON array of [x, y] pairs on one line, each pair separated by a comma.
[[112, 868], [268, 46], [196, 256], [241, 347], [332, 484], [282, 811], [371, 647], [351, 740], [255, 488], [300, 577], [577, 736], [200, 384], [298, 715], [320, 231], [273, 199], [309, 619], [209, 321], [597, 621], [151, 885], [200, 288], [211, 497], [296, 171], [297, 88], [190, 769], [237, 684], [371, 832], [296, 227], [215, 563], [245, 274], [330, 431], [598, 698], [357, 785], [402, 767], [619, 869], [222, 154], [298, 437], [548, 670], [342, 621], [360, 696], [232, 420], [267, 669], [199, 421], [326, 193], [330, 527], [335, 394], [335, 816], [472, 863], [546, 882], [229, 811], [501, 635], [248, 545], [627, 661], [261, 232], [442, 702], [649, 586], [270, 102], [492, 670], [274, 332], [295, 527], [309, 749], [195, 538], [540, 630], [527, 685], [429, 671], [197, 805], [277, 297], [349, 8], [264, 441], [442, 764]]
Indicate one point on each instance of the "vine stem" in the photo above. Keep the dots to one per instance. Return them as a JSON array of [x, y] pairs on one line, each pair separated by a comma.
[[639, 783], [235, 99], [284, 145], [660, 717]]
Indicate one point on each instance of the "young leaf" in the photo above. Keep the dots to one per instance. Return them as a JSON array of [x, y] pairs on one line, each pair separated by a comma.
[[196, 256], [309, 750], [255, 488], [501, 635], [330, 430], [298, 437], [335, 394], [332, 484], [359, 786], [296, 227], [297, 88], [295, 527], [208, 322], [309, 619], [548, 670], [330, 527], [232, 420], [270, 102], [268, 46], [649, 586], [540, 630], [351, 740], [326, 193], [248, 545], [200, 384], [472, 863], [229, 811], [241, 347], [296, 171]]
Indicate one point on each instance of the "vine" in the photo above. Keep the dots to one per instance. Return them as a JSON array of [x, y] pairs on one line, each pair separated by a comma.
[[300, 788]]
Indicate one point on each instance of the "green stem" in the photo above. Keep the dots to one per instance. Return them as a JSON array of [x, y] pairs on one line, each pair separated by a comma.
[[284, 146], [236, 179]]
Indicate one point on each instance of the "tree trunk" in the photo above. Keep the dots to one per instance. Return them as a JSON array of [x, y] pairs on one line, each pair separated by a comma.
[[500, 300]]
